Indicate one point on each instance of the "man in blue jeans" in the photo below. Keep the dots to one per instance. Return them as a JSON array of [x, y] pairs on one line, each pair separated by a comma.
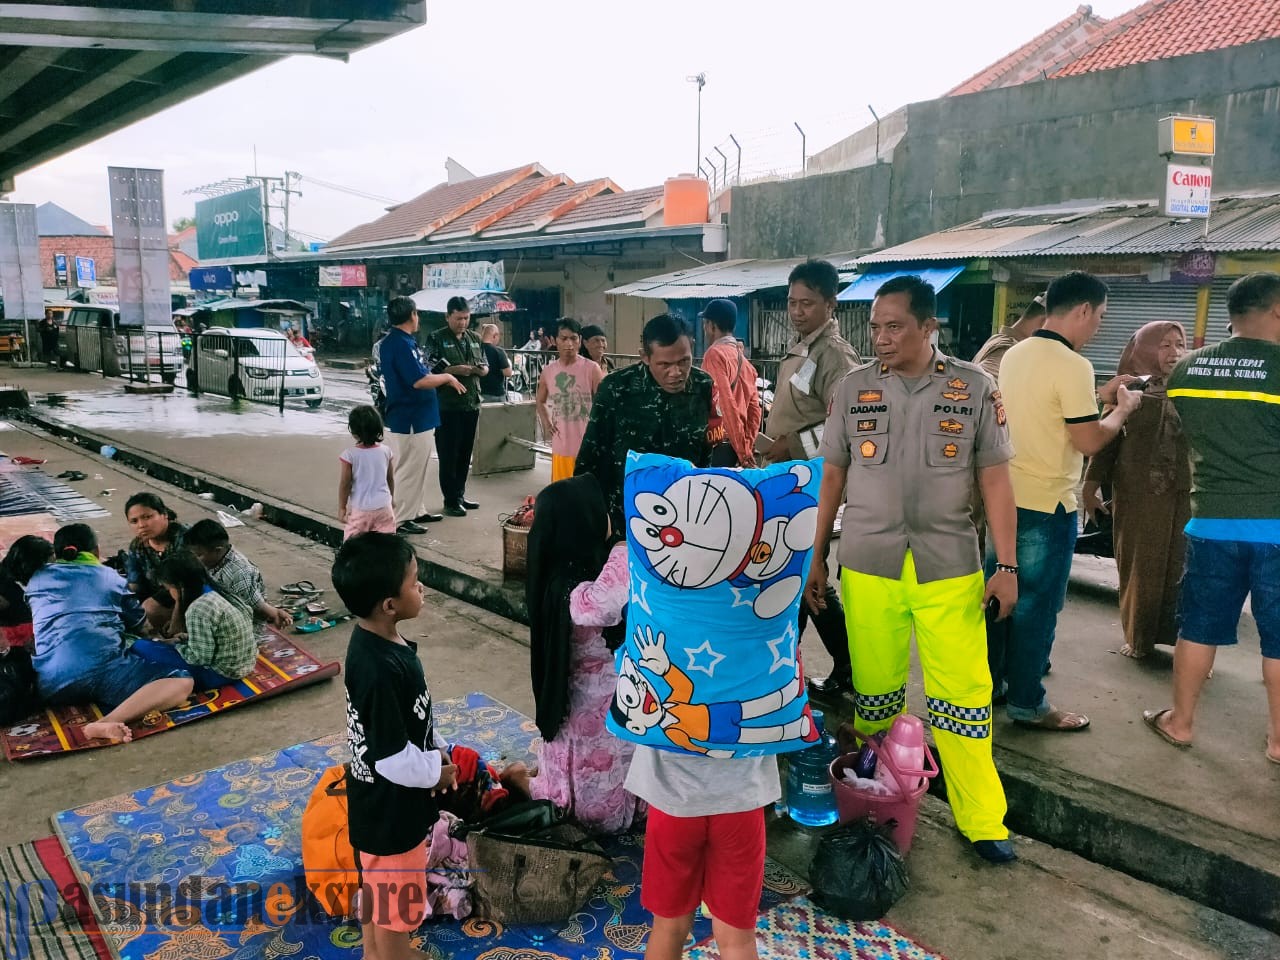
[[1047, 389], [1228, 398]]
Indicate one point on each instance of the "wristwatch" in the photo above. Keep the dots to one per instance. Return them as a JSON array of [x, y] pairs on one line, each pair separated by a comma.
[[1007, 568]]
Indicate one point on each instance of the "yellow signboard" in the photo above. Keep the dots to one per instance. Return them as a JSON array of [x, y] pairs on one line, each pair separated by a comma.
[[1190, 136]]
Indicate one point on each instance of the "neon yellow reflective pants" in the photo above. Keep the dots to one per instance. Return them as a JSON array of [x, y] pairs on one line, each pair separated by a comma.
[[951, 638]]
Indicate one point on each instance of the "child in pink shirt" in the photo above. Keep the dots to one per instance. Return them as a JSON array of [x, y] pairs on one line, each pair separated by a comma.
[[566, 390], [367, 482]]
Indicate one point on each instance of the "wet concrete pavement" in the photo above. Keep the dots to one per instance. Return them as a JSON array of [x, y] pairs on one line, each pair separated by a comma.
[[1224, 779], [1051, 905]]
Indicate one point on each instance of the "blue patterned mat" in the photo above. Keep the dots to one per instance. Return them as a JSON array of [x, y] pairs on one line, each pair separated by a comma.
[[215, 846]]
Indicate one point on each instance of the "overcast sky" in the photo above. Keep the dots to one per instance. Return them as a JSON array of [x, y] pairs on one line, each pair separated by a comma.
[[585, 88]]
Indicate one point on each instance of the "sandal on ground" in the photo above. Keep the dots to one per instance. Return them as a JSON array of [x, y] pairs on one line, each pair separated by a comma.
[[299, 588], [1059, 721], [1127, 651], [1267, 753], [1152, 719], [315, 609], [316, 625]]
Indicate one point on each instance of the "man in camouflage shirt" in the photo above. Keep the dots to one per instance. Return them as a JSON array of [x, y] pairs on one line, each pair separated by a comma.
[[660, 405]]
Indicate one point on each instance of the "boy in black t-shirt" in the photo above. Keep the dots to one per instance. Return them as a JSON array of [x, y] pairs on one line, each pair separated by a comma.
[[398, 764]]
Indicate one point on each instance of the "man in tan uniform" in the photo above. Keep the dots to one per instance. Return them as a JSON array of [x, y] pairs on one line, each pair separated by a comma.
[[807, 379], [993, 351], [908, 439]]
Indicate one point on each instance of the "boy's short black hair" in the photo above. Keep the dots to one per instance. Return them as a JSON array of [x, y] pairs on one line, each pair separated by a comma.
[[570, 324], [365, 425], [207, 535], [923, 302], [370, 568], [457, 305], [1072, 289]]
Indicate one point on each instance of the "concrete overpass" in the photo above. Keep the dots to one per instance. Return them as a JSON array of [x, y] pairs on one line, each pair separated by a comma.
[[73, 72]]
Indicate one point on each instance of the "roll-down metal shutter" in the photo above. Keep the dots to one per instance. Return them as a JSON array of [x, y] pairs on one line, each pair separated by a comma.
[[1129, 306]]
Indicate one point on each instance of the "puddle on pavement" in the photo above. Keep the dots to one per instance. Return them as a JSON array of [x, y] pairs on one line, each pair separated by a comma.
[[181, 415]]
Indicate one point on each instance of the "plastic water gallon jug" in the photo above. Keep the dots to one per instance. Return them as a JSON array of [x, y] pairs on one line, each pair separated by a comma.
[[904, 745], [809, 797]]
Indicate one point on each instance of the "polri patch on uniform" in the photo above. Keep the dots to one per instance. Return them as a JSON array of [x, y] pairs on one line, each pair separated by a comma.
[[950, 450], [954, 395], [999, 407], [955, 383], [870, 396], [866, 426], [951, 426], [867, 448]]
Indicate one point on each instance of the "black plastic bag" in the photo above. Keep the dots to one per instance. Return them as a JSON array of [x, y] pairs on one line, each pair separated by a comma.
[[857, 873], [19, 697]]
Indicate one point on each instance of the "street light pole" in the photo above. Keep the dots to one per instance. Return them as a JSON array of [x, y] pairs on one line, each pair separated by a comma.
[[701, 80]]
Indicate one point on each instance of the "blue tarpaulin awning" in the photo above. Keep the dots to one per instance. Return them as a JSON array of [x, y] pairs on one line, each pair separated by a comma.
[[865, 285]]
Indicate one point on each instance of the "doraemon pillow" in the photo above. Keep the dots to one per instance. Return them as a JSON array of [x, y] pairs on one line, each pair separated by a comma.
[[719, 560]]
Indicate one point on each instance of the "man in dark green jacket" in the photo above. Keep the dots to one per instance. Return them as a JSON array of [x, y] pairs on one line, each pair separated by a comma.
[[456, 350], [660, 405]]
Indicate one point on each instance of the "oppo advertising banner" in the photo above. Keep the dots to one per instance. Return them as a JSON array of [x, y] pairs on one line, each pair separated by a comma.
[[231, 226], [141, 245]]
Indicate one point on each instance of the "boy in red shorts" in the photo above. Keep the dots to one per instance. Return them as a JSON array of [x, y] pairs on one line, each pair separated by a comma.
[[704, 843], [398, 764]]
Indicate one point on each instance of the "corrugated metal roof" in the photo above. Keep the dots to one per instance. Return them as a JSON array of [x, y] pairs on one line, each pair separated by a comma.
[[1238, 224], [731, 278]]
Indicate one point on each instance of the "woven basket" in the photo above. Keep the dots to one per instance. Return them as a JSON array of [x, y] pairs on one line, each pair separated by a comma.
[[515, 550]]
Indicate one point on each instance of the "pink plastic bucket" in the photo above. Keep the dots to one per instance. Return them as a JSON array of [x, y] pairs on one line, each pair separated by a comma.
[[853, 803]]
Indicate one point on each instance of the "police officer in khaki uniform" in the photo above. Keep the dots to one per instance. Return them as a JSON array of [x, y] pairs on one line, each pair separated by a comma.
[[807, 379], [907, 435]]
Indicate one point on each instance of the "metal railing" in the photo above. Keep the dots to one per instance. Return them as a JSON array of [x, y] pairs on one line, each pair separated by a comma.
[[145, 355], [258, 368]]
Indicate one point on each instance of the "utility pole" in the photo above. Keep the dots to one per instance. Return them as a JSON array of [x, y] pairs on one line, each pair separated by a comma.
[[701, 80], [290, 176]]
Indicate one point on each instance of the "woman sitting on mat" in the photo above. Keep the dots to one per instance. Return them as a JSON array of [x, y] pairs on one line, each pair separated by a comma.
[[156, 536], [27, 555], [82, 611], [576, 589], [215, 641]]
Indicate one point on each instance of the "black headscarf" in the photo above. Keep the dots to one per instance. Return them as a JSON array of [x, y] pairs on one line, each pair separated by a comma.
[[567, 546]]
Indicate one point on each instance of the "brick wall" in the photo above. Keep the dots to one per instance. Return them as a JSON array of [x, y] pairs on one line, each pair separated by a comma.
[[99, 248]]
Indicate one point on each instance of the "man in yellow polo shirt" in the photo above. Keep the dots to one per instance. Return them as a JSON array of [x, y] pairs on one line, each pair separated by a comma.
[[1047, 389]]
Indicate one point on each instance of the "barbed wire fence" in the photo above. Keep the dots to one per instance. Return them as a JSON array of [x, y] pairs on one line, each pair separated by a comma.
[[779, 152]]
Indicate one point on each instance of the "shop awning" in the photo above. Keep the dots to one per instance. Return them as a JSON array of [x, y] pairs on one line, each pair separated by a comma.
[[436, 300], [865, 285]]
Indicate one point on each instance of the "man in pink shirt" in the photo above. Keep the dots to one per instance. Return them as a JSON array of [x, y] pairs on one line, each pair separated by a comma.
[[566, 390], [735, 380]]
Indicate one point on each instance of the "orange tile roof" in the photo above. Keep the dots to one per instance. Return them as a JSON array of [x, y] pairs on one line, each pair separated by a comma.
[[1073, 35], [496, 207], [442, 204], [547, 205], [612, 206], [1173, 28]]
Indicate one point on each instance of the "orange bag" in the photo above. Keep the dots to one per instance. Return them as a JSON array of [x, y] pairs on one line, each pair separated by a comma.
[[328, 859]]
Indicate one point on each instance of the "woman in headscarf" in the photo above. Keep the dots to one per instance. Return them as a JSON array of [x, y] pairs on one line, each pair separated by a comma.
[[576, 588], [1149, 469]]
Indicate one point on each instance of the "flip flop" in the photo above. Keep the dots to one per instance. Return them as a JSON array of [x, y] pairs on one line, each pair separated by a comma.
[[1267, 752], [1152, 719], [316, 625], [27, 461], [1056, 726], [315, 609], [299, 588]]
